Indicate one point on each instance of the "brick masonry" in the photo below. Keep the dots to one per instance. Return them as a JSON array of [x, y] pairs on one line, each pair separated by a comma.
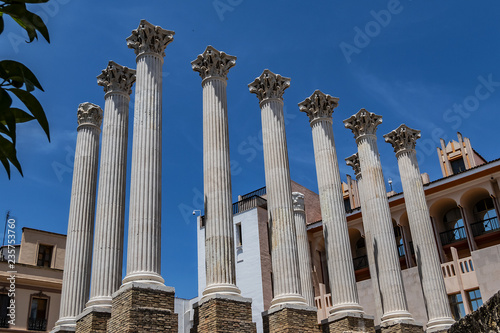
[[402, 328], [143, 308], [486, 319], [288, 319], [354, 323], [223, 314], [93, 322]]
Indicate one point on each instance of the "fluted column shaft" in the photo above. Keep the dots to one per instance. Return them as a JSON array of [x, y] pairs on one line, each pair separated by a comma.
[[304, 253], [378, 217], [76, 276], [438, 307]]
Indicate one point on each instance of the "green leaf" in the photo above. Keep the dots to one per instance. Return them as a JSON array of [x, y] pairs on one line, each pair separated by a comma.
[[27, 20], [1, 23], [17, 72], [8, 154], [5, 100], [34, 107], [21, 116]]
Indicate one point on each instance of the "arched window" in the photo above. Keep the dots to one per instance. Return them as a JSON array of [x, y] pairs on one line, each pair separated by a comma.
[[360, 247], [399, 241], [454, 226], [485, 217]]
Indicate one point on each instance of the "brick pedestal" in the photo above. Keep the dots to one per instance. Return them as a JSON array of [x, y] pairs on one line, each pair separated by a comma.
[[139, 307], [402, 328], [223, 313], [348, 322], [288, 318], [93, 320], [62, 329]]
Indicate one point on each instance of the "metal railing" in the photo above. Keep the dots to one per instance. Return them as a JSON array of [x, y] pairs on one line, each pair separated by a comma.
[[485, 226], [453, 235], [37, 324], [260, 192], [4, 322], [401, 250], [360, 262], [248, 203]]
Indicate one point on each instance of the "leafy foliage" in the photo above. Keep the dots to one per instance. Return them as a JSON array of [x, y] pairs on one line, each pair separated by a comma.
[[16, 80]]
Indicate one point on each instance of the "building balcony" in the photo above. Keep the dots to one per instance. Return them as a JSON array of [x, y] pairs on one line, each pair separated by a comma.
[[485, 226], [453, 235], [360, 262], [37, 324], [4, 322]]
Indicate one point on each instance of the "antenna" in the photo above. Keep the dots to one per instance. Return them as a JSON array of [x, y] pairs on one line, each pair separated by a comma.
[[390, 183], [4, 232]]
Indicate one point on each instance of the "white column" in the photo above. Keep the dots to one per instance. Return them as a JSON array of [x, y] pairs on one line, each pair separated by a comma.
[[269, 88], [377, 215], [110, 212], [319, 108], [403, 139], [144, 234], [353, 162], [213, 67], [304, 253], [76, 277]]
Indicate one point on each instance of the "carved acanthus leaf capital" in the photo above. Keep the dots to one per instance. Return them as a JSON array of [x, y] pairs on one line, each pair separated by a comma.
[[363, 123], [269, 85], [89, 114], [213, 63], [353, 162], [116, 78], [402, 138], [319, 105], [149, 38], [298, 201]]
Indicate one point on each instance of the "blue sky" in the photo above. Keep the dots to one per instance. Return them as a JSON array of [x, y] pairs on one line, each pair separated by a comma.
[[431, 65]]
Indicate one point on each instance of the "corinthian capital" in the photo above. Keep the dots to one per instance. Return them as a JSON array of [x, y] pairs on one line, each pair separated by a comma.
[[363, 123], [353, 162], [269, 85], [402, 138], [149, 38], [213, 63], [318, 106], [116, 78], [89, 114], [298, 201]]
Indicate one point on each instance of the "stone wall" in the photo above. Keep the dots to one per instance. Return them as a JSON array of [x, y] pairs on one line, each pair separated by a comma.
[[486, 319]]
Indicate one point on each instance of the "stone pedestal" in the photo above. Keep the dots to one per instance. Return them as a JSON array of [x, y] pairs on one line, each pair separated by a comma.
[[223, 313], [291, 318], [348, 322], [402, 327], [93, 320], [143, 307]]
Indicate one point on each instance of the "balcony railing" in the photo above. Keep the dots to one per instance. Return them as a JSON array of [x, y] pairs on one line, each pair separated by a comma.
[[453, 235], [37, 324], [401, 250], [4, 322], [485, 226], [360, 262], [248, 203], [260, 192]]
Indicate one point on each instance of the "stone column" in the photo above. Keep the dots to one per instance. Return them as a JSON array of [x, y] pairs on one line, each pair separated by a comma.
[[76, 277], [269, 88], [403, 139], [377, 216], [143, 303], [319, 108], [110, 212], [144, 236], [303, 248], [220, 293]]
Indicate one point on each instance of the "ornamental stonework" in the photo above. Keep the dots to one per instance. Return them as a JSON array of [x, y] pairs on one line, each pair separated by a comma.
[[298, 201], [213, 63], [116, 78], [148, 38], [319, 105], [363, 123], [89, 114], [402, 138], [353, 162], [269, 85]]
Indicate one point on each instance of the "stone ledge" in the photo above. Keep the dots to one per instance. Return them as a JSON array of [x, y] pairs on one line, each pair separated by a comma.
[[349, 322], [402, 327], [288, 318]]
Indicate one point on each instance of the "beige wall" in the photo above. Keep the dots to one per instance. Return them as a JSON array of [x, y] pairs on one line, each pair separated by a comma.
[[30, 241], [487, 267]]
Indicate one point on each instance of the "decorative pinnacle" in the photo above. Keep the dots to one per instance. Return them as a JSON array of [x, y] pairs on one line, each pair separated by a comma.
[[353, 162], [149, 38], [269, 85], [213, 63], [402, 138], [319, 105], [89, 114], [298, 201], [363, 123], [116, 78]]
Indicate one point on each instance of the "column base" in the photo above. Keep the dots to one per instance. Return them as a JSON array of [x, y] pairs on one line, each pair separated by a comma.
[[347, 322], [401, 327], [288, 318], [63, 329], [223, 313], [93, 320], [66, 324], [143, 307]]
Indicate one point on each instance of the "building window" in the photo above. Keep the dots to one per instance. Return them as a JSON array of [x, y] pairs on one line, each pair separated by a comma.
[[454, 225], [458, 165], [239, 236], [4, 304], [485, 217], [39, 307], [44, 255], [457, 306], [347, 205], [475, 299]]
